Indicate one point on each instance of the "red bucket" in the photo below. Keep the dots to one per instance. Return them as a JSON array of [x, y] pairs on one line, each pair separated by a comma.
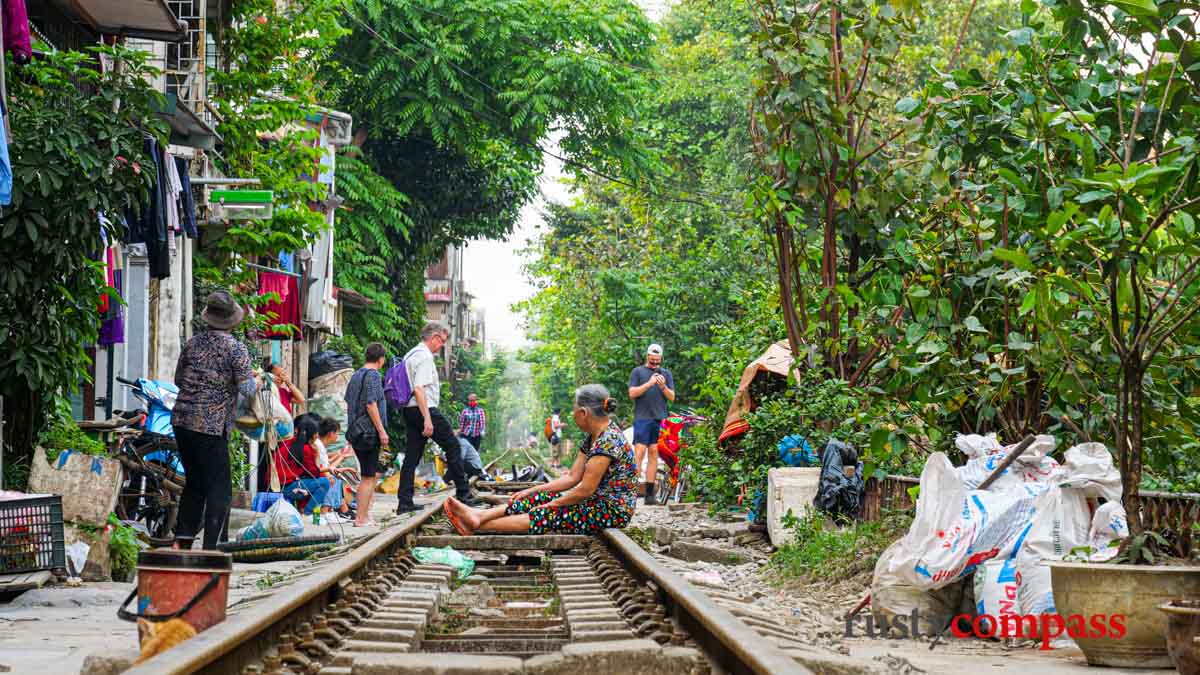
[[191, 585]]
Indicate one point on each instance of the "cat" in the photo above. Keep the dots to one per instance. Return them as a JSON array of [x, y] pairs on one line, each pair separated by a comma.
[[159, 637]]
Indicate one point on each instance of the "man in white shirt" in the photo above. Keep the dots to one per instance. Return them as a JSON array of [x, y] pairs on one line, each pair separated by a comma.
[[423, 420]]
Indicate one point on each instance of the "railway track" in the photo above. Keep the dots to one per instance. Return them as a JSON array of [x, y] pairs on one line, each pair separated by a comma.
[[535, 604]]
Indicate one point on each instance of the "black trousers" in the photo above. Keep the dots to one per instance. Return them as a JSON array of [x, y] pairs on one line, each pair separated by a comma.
[[476, 442], [206, 496], [414, 448]]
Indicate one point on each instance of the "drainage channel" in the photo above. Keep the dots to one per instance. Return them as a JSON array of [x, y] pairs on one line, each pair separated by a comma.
[[535, 605]]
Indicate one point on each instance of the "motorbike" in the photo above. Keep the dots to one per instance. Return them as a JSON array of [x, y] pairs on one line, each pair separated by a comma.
[[153, 476], [671, 479]]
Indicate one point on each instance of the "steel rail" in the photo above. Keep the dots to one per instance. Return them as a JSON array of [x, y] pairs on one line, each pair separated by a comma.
[[241, 639], [250, 626], [733, 644]]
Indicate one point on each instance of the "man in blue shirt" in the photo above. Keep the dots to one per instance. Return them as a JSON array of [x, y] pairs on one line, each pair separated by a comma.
[[651, 387]]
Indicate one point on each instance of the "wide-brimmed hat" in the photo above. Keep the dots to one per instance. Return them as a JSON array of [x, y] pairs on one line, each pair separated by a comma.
[[221, 311]]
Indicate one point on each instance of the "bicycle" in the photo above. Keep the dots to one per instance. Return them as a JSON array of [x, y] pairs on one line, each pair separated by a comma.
[[152, 476]]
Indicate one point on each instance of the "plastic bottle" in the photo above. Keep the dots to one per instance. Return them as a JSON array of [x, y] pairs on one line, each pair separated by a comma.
[[316, 515]]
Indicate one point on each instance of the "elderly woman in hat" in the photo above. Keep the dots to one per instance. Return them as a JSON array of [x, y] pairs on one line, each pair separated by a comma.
[[599, 492], [212, 370]]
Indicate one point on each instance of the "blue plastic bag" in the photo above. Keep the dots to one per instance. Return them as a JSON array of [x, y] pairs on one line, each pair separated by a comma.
[[794, 450]]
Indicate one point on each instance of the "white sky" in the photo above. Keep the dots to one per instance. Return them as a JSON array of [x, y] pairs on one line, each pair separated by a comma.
[[492, 270]]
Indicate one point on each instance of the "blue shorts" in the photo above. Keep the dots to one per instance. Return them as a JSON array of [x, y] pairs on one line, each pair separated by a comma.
[[645, 432]]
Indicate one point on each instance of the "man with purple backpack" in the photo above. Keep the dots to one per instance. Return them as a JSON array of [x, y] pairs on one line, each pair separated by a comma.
[[412, 385]]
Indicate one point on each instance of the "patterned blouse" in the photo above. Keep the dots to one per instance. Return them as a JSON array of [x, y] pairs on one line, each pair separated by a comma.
[[212, 370], [619, 483]]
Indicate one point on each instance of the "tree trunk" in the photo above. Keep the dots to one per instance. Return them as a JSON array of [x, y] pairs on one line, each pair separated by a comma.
[[787, 295], [1130, 448]]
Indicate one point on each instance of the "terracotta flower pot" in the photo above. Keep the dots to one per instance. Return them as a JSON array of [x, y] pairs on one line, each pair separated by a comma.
[[1090, 589], [1183, 628]]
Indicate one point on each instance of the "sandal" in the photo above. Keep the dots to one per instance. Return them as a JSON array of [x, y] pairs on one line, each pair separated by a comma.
[[454, 521]]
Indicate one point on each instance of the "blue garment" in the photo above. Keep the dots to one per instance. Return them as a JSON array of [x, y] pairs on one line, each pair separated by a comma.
[[320, 493], [6, 177]]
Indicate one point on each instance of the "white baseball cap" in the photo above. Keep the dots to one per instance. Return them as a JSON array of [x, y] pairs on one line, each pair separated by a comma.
[[654, 350]]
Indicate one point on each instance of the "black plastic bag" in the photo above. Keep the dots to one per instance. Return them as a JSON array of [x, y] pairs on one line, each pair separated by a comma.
[[839, 494], [324, 363]]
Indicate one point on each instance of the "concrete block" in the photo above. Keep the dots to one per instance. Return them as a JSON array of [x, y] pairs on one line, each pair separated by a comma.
[[370, 646], [368, 634], [692, 551], [628, 657], [87, 496], [110, 662], [789, 489], [601, 635], [438, 664]]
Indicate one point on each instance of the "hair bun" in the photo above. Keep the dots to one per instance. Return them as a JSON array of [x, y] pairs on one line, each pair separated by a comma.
[[609, 405]]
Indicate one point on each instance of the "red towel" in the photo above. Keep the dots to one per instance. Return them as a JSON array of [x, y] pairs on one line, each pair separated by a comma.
[[287, 310]]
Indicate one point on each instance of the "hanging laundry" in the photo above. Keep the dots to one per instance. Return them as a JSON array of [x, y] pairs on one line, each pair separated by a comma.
[[149, 224], [287, 310], [112, 328], [6, 177], [16, 31], [173, 189], [187, 203]]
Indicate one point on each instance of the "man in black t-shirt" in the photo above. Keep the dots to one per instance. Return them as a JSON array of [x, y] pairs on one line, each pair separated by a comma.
[[651, 387]]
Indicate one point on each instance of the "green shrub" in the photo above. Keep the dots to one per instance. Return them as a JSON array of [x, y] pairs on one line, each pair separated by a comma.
[[122, 549], [62, 433], [818, 408], [832, 554]]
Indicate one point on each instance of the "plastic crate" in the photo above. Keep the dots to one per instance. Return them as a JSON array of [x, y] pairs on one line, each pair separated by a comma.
[[31, 535]]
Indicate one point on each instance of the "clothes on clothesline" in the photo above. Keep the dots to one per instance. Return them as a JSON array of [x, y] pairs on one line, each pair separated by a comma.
[[6, 176], [170, 210], [112, 319], [16, 30], [287, 310], [183, 167]]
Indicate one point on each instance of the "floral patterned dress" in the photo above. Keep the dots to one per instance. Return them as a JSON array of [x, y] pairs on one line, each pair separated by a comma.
[[612, 504]]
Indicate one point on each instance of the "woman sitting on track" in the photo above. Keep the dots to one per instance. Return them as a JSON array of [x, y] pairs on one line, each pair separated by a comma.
[[599, 491]]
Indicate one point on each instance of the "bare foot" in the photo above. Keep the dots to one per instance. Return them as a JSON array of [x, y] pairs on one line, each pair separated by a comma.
[[466, 515]]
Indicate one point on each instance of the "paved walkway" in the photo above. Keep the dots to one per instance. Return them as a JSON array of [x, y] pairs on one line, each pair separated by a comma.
[[52, 630]]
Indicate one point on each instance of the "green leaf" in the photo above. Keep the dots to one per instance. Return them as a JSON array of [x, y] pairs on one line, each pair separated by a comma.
[[1020, 37], [842, 198], [1093, 195], [1137, 7], [1014, 257], [972, 324], [907, 105]]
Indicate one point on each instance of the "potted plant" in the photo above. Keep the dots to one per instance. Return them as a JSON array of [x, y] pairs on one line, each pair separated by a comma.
[[1122, 230]]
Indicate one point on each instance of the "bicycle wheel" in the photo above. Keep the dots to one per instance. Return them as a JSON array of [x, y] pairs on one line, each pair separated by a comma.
[[662, 485]]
